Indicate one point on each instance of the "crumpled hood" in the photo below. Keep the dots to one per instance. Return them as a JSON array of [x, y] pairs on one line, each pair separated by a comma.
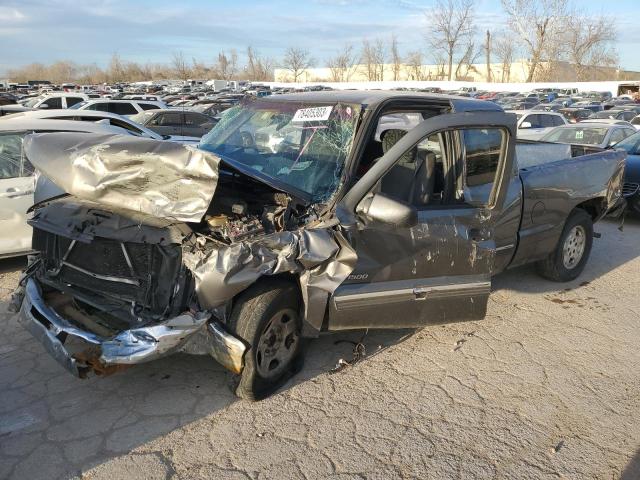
[[164, 179]]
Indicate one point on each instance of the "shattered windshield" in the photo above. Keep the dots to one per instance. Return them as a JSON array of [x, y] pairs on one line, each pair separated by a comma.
[[298, 144]]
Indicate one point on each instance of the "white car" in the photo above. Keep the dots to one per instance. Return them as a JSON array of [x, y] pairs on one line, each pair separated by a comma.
[[17, 179], [120, 107], [534, 124], [56, 100], [106, 118]]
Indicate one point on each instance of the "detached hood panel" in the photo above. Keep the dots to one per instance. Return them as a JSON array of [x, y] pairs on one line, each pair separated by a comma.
[[159, 178]]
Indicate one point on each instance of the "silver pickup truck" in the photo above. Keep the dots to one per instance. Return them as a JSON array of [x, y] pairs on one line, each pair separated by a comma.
[[297, 214]]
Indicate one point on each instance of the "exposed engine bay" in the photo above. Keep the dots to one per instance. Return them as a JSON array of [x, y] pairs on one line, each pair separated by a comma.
[[243, 208]]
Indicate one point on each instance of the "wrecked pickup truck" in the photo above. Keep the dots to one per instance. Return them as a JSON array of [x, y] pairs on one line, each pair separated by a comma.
[[297, 214]]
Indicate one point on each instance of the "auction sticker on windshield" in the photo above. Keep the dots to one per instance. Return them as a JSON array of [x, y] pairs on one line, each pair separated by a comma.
[[315, 114]]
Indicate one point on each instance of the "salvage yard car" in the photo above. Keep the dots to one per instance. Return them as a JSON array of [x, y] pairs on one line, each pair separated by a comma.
[[292, 219], [631, 186], [600, 135], [17, 181]]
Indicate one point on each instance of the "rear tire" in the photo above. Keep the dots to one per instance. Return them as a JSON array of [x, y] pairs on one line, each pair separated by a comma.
[[570, 256], [267, 317]]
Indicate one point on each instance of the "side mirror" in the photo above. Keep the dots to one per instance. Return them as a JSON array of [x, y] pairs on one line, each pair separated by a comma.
[[380, 208], [525, 125]]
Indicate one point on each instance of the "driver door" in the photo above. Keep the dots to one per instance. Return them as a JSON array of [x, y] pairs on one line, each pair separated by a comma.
[[439, 269]]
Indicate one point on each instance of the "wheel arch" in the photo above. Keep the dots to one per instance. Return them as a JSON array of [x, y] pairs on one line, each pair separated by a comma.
[[595, 207]]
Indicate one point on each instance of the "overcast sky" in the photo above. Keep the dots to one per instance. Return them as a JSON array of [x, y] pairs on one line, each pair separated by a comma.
[[149, 31]]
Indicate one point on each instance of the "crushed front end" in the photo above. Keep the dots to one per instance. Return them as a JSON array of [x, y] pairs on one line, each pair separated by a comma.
[[152, 242], [101, 304]]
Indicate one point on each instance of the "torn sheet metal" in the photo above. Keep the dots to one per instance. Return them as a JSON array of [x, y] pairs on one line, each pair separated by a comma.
[[160, 178], [322, 258], [83, 221]]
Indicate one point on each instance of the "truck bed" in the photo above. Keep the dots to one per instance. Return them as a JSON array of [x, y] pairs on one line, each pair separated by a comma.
[[557, 178]]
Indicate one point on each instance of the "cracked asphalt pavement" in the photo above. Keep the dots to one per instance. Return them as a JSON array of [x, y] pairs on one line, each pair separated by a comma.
[[547, 386]]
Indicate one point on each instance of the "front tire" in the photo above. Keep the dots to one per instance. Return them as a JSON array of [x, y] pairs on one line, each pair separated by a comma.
[[570, 256], [267, 317]]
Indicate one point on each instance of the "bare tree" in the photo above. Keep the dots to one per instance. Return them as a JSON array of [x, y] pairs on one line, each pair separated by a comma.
[[414, 62], [589, 45], [452, 30], [465, 64], [372, 57], [258, 67], [504, 49], [226, 67], [342, 65], [538, 24], [115, 70], [367, 59], [180, 66], [297, 60], [396, 59]]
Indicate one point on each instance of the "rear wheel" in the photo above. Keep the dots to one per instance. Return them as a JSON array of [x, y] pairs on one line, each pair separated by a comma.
[[570, 256], [267, 317]]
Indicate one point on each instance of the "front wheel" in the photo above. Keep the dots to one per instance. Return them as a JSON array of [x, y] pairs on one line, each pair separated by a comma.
[[267, 317], [570, 256]]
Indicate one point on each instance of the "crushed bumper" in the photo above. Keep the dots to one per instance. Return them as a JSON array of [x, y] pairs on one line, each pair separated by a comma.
[[129, 347]]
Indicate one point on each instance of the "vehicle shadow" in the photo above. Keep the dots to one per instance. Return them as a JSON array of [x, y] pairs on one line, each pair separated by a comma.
[[632, 470], [73, 425], [602, 261]]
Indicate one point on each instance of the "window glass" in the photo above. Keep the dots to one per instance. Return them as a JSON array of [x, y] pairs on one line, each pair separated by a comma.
[[53, 102], [122, 108], [126, 125], [194, 119], [301, 146], [170, 119], [616, 136], [148, 106], [482, 152], [11, 158], [101, 107], [534, 120], [546, 121], [631, 144], [556, 121], [71, 101]]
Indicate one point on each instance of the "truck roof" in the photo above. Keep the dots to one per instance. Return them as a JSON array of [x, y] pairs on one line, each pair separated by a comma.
[[375, 97]]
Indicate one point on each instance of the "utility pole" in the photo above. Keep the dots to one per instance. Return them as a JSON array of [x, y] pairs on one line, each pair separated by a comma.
[[488, 49]]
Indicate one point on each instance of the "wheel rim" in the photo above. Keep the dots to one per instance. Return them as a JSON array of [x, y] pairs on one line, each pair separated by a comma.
[[573, 247], [277, 344]]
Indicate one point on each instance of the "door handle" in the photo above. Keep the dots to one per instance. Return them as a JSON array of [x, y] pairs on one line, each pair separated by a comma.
[[478, 234]]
